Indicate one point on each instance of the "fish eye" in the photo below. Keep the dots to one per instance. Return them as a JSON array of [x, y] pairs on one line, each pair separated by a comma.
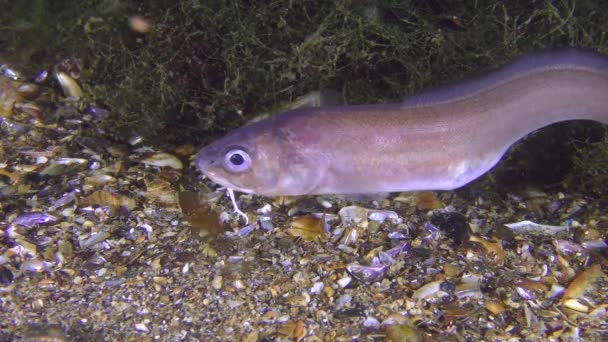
[[237, 160]]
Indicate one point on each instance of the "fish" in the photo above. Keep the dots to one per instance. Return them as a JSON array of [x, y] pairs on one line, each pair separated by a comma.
[[439, 139]]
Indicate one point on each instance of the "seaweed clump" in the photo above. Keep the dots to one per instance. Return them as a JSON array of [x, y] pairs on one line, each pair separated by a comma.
[[590, 164]]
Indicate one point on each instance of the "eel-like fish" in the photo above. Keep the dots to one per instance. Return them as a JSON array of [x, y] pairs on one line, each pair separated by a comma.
[[436, 140]]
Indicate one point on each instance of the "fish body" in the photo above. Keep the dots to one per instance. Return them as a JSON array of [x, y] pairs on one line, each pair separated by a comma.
[[437, 140]]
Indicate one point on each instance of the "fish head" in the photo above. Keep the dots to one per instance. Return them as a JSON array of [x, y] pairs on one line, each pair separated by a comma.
[[264, 158]]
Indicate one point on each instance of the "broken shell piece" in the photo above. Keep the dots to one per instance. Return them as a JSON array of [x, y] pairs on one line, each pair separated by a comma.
[[566, 247], [531, 318], [354, 215], [576, 305], [367, 274], [141, 327], [324, 202], [586, 290], [243, 232], [399, 250], [106, 198], [328, 217], [69, 86], [11, 73], [30, 219], [596, 244], [63, 166], [317, 288], [455, 311], [358, 216], [294, 330], [41, 76], [35, 266], [29, 108], [371, 323], [266, 223], [531, 289], [351, 236], [160, 191], [309, 228], [535, 229], [600, 312], [28, 90], [265, 210], [344, 282], [430, 290], [163, 159], [100, 179], [495, 252], [94, 239], [134, 140], [470, 286], [386, 258], [555, 291], [495, 308], [383, 215]]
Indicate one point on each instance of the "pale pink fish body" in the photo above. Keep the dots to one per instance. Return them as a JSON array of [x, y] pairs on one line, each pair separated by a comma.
[[438, 140]]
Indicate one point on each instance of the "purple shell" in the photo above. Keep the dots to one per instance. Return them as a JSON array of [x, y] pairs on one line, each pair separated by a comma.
[[28, 220]]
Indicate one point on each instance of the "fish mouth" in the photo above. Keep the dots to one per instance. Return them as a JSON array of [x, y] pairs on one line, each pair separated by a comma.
[[206, 165], [215, 178], [203, 162], [221, 181], [209, 167]]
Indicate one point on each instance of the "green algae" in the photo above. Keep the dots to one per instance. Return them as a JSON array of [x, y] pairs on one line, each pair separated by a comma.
[[591, 166]]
